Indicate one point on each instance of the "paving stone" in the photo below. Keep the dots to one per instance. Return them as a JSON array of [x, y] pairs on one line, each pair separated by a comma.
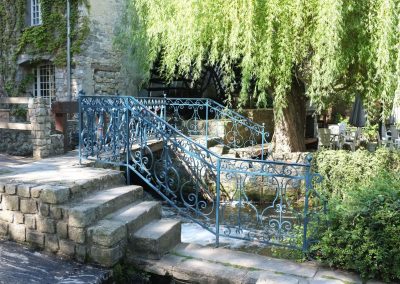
[[19, 218], [67, 247], [107, 256], [3, 228], [243, 259], [6, 216], [326, 281], [328, 274], [28, 206], [271, 278], [100, 204], [138, 215], [24, 190], [17, 232], [44, 209], [30, 221], [81, 252], [108, 233], [35, 191], [11, 202], [62, 230], [77, 235], [35, 237], [55, 212], [46, 225], [54, 194], [51, 243], [11, 189], [207, 272], [157, 238]]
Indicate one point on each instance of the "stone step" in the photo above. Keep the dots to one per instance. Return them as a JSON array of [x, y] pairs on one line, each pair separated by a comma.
[[99, 204], [156, 238], [104, 180], [109, 237], [119, 225]]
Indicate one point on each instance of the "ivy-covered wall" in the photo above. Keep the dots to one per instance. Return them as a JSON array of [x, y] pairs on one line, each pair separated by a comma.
[[96, 63], [12, 13], [19, 38]]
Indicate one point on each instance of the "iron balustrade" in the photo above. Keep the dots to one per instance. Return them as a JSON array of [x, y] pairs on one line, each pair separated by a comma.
[[257, 200], [211, 123]]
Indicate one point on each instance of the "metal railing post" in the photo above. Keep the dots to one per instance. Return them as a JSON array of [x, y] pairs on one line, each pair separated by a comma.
[[308, 181], [262, 141], [165, 108], [206, 138], [80, 127], [128, 146], [217, 202]]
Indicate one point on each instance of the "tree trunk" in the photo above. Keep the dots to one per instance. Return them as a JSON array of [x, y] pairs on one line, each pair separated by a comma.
[[289, 131]]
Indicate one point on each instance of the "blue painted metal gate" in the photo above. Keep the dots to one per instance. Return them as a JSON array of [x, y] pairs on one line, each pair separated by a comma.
[[251, 197]]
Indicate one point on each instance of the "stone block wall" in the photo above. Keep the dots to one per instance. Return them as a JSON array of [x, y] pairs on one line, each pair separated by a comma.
[[43, 142], [16, 142], [38, 214], [4, 114], [28, 214]]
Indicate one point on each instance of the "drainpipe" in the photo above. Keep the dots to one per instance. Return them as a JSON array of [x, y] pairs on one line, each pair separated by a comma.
[[69, 51]]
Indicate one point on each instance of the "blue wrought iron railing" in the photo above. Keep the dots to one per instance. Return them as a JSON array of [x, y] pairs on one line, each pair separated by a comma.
[[210, 123], [267, 201]]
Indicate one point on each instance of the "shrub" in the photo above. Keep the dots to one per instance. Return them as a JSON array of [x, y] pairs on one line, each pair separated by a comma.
[[343, 170], [363, 232]]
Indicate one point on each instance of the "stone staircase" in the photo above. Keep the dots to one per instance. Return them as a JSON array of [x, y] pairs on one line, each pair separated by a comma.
[[96, 219]]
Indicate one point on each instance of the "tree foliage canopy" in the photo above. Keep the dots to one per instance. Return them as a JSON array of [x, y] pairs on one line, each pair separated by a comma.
[[336, 47]]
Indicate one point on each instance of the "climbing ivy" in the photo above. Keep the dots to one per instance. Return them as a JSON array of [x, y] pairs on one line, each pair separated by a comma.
[[49, 38], [11, 23]]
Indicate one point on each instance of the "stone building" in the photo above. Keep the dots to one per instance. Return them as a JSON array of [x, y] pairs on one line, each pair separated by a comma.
[[95, 69], [34, 68]]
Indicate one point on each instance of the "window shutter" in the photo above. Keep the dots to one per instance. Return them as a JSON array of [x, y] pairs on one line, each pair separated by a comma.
[[28, 8]]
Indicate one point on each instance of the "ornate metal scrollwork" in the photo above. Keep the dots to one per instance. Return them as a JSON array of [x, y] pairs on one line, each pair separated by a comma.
[[157, 139]]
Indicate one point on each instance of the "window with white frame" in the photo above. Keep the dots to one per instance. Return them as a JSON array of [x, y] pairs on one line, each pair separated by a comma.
[[44, 86], [36, 17]]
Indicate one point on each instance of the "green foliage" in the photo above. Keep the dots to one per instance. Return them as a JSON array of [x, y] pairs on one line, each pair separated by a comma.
[[51, 36], [345, 171], [335, 47], [364, 229], [19, 111], [371, 132], [12, 14]]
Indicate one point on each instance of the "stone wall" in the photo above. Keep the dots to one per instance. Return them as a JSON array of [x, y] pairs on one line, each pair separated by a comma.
[[16, 142], [44, 143], [97, 69]]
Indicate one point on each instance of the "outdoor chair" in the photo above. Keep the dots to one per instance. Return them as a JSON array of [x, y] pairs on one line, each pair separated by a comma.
[[386, 139], [336, 136], [351, 138], [395, 136], [324, 138]]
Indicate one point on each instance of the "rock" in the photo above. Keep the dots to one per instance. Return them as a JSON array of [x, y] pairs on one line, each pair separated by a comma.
[[46, 225], [54, 194], [28, 206], [11, 202]]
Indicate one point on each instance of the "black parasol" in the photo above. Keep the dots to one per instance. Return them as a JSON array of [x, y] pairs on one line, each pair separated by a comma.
[[357, 116]]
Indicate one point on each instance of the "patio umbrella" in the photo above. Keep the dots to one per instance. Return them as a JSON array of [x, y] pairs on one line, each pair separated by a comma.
[[357, 116]]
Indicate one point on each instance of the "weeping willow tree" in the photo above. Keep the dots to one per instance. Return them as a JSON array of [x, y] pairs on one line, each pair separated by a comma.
[[293, 50]]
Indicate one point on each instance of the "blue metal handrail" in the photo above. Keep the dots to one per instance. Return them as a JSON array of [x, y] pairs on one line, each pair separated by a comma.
[[212, 190], [239, 131]]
